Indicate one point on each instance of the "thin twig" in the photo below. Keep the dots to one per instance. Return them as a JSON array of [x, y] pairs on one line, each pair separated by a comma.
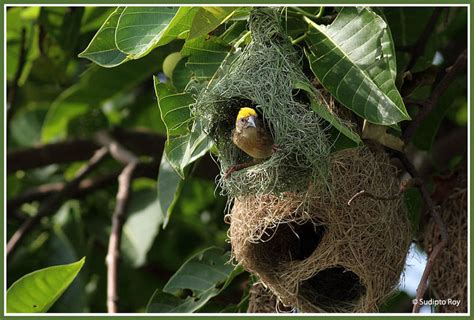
[[52, 204], [422, 286], [118, 218], [86, 186], [13, 90], [419, 48], [437, 92]]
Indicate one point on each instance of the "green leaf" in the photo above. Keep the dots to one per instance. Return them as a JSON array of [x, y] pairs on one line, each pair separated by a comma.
[[37, 291], [209, 18], [174, 108], [184, 150], [350, 61], [206, 274], [142, 225], [140, 29], [322, 110], [183, 146], [102, 49], [205, 56], [170, 185]]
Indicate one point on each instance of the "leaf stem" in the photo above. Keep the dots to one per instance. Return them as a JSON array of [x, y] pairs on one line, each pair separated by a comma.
[[299, 39]]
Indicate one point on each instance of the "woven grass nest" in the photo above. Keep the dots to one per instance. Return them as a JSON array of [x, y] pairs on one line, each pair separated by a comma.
[[290, 223], [448, 278], [318, 254]]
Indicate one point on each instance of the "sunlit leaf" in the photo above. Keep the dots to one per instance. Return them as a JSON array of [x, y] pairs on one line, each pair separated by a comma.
[[37, 291], [349, 60], [102, 49]]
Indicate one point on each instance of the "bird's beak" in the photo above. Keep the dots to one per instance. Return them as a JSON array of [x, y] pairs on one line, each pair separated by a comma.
[[251, 122]]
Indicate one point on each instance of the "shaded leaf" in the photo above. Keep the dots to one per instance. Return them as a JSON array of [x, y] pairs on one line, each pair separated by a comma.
[[142, 225], [323, 111], [170, 185], [209, 18], [349, 60], [102, 49], [206, 274], [184, 150], [205, 56], [37, 291]]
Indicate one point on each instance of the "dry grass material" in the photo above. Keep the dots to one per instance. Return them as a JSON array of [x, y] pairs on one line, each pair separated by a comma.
[[261, 300], [314, 251], [448, 278]]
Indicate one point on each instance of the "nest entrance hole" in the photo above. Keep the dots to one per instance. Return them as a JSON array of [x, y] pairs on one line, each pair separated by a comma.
[[288, 242], [333, 287]]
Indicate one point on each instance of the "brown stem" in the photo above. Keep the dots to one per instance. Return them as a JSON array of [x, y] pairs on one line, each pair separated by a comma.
[[52, 204], [422, 286], [125, 178], [438, 91], [419, 48]]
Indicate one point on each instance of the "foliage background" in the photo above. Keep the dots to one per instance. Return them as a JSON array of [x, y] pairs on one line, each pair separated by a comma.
[[56, 96]]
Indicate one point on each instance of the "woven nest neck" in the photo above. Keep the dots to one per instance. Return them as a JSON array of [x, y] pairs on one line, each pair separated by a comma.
[[263, 76]]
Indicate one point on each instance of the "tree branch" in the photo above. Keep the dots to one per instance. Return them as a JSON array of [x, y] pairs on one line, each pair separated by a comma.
[[422, 286], [53, 203], [86, 186], [437, 92], [419, 48], [139, 142], [118, 218]]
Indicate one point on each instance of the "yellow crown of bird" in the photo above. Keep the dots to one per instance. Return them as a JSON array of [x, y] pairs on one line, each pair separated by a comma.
[[246, 112]]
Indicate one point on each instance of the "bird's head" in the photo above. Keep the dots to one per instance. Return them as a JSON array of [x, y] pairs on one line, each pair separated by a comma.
[[246, 118]]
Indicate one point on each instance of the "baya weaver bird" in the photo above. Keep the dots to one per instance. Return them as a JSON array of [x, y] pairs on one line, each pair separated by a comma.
[[251, 136]]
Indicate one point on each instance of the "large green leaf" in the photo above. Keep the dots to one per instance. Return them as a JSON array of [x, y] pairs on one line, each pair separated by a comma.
[[142, 225], [174, 107], [206, 274], [184, 144], [205, 56], [352, 60], [170, 185], [140, 29], [37, 291], [102, 49], [209, 18]]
